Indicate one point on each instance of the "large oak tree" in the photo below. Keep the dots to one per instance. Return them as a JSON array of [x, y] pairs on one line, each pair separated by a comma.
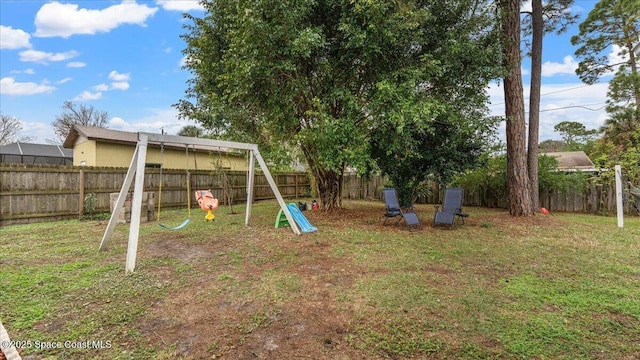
[[324, 75]]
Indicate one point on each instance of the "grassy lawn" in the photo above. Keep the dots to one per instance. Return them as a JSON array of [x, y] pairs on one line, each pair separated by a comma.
[[550, 287]]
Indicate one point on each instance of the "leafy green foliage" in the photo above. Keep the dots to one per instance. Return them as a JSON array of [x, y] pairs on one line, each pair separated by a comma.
[[492, 178], [430, 117], [623, 108], [575, 135], [90, 203], [321, 75], [611, 22], [607, 156]]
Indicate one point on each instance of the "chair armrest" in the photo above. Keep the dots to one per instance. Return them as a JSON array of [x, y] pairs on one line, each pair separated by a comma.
[[460, 213]]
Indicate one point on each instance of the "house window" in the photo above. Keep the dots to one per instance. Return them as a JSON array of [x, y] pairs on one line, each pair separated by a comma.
[[153, 165]]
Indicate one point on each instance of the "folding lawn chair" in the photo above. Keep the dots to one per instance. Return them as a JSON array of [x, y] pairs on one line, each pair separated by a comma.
[[393, 210], [451, 208]]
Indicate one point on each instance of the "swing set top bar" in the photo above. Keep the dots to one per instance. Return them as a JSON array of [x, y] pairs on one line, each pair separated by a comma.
[[175, 139]]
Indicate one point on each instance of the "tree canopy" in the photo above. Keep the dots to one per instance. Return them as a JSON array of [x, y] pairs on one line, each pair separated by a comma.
[[329, 76], [575, 135]]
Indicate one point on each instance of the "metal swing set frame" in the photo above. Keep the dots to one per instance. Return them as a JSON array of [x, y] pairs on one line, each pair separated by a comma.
[[137, 169]]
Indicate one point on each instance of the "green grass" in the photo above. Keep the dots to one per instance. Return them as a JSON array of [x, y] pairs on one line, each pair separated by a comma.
[[560, 287]]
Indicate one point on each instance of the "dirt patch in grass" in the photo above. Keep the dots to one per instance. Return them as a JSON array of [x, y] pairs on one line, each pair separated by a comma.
[[238, 305]]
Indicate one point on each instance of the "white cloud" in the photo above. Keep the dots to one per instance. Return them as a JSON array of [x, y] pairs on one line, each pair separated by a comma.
[[115, 76], [183, 62], [86, 95], [26, 71], [118, 123], [67, 79], [76, 64], [118, 85], [64, 20], [100, 87], [11, 38], [180, 5], [8, 86], [567, 67], [616, 58], [45, 57], [186, 60], [40, 131], [119, 81], [559, 102], [158, 119]]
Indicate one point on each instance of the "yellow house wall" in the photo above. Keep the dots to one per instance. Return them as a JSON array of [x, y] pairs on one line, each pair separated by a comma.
[[113, 155], [119, 155], [177, 159], [84, 152]]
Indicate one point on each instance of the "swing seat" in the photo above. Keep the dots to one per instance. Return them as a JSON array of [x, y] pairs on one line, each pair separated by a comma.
[[206, 200], [184, 223]]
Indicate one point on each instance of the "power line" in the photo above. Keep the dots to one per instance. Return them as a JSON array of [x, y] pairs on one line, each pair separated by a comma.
[[552, 92], [577, 106]]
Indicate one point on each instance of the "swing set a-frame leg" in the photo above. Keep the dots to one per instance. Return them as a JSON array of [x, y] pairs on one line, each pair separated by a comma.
[[128, 180]]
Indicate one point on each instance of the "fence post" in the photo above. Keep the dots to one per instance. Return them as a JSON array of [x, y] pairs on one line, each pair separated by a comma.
[[619, 208], [81, 193]]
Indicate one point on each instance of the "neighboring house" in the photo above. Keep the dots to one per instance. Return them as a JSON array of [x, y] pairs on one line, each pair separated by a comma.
[[27, 153], [94, 146], [573, 161]]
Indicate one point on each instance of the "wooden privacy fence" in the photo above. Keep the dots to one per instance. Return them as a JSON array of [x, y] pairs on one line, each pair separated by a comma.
[[33, 193], [599, 199]]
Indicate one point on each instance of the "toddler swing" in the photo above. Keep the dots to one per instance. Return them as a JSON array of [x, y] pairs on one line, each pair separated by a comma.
[[207, 203], [186, 222]]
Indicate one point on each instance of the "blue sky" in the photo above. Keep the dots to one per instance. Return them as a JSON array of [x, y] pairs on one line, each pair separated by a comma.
[[124, 57]]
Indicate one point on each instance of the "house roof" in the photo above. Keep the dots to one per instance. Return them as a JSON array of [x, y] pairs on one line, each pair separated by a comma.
[[121, 137], [98, 133], [41, 150], [572, 161]]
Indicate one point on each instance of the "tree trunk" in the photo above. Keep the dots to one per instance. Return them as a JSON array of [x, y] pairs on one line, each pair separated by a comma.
[[327, 183], [517, 175], [534, 100]]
